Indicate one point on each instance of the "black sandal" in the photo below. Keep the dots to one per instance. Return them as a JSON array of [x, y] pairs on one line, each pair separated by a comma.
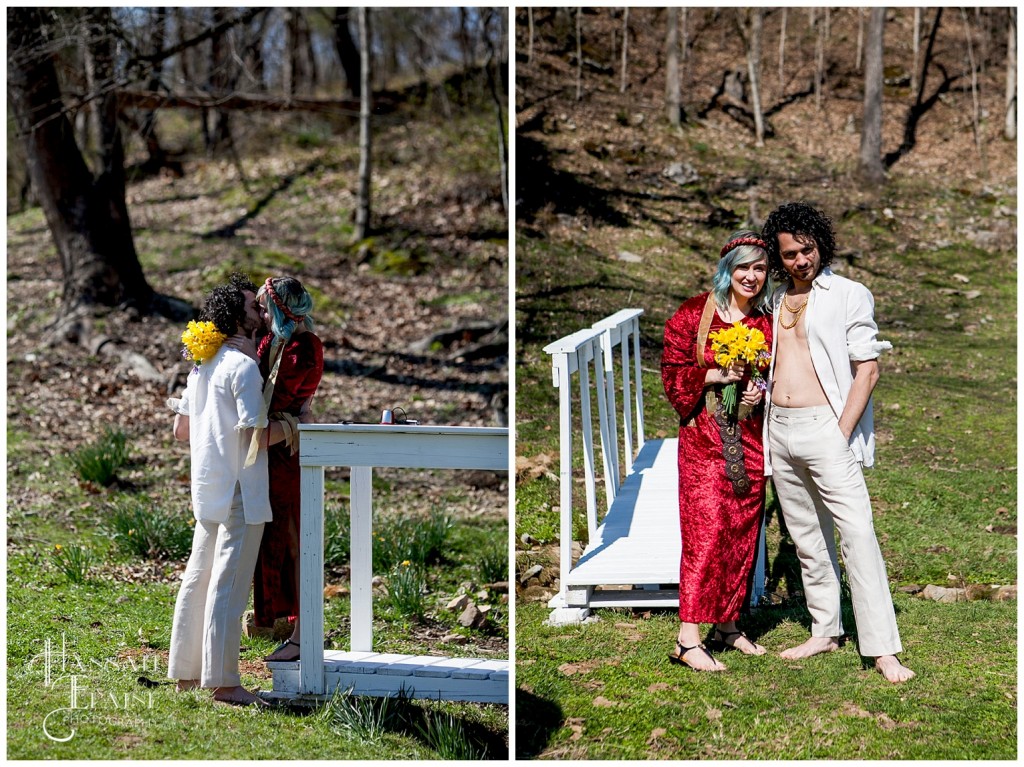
[[681, 650], [723, 645], [278, 649]]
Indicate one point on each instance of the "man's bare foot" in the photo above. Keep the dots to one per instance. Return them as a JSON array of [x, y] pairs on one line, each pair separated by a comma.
[[697, 658], [186, 684], [813, 646], [890, 667], [738, 640], [237, 696]]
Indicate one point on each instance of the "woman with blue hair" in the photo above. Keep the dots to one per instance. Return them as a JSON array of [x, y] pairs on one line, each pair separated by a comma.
[[291, 360], [721, 459]]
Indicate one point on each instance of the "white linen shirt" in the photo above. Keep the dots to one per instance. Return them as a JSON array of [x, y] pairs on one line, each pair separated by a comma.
[[223, 398], [841, 330]]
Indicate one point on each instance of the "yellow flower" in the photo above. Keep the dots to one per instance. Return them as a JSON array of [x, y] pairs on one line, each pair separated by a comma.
[[406, 563], [201, 340], [57, 547]]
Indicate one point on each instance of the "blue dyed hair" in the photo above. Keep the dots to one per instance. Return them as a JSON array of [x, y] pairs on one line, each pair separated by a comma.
[[738, 256], [298, 301]]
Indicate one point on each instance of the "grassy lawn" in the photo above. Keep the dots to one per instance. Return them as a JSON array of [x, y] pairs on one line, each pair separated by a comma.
[[944, 493]]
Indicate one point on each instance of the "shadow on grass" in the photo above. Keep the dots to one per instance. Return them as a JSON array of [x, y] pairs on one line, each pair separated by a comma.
[[537, 719], [369, 717]]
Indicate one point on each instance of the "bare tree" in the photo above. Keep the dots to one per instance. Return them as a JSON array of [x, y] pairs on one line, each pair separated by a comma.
[[751, 30], [916, 43], [860, 37], [365, 144], [1010, 128], [976, 111], [625, 47], [494, 58], [529, 48], [871, 169], [86, 213], [579, 54], [348, 51], [672, 90], [782, 51], [819, 60]]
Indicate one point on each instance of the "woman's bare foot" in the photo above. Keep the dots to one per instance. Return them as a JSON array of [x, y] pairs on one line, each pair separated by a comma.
[[813, 646], [890, 667], [237, 696], [186, 684], [730, 635]]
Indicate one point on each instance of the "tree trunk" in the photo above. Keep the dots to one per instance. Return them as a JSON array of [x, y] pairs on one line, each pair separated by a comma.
[[579, 54], [860, 37], [365, 145], [529, 47], [819, 63], [221, 84], [976, 111], [625, 47], [86, 215], [782, 52], [916, 42], [754, 70], [871, 169], [1010, 128], [492, 82], [348, 52], [672, 91]]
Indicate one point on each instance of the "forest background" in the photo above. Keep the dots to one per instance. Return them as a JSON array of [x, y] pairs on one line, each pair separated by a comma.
[[152, 152], [644, 137]]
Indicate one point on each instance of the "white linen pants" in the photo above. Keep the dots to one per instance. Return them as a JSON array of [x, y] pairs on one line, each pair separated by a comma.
[[207, 631], [821, 488]]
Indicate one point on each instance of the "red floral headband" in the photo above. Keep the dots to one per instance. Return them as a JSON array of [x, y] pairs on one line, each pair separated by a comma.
[[743, 241], [279, 303]]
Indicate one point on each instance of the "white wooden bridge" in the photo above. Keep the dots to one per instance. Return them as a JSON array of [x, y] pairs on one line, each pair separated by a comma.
[[362, 446], [632, 550]]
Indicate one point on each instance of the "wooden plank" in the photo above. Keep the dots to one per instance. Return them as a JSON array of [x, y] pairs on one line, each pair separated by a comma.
[[361, 558], [369, 665], [476, 690], [415, 447], [447, 666], [482, 670], [410, 666], [311, 575]]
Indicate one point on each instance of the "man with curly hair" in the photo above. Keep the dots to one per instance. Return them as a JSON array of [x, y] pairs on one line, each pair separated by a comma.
[[222, 404], [819, 434]]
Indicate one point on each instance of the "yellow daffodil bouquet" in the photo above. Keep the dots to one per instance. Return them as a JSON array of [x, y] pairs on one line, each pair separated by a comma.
[[738, 343], [201, 341]]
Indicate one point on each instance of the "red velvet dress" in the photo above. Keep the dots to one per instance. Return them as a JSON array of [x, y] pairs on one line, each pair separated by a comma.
[[276, 589], [719, 524]]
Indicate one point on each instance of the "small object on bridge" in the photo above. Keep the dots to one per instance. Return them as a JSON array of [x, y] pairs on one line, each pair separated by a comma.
[[387, 417]]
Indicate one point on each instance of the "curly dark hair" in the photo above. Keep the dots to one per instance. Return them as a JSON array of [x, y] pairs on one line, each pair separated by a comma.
[[242, 282], [802, 221], [225, 304]]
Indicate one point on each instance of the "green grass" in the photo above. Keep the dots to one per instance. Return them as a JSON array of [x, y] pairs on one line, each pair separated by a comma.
[[99, 460], [611, 682]]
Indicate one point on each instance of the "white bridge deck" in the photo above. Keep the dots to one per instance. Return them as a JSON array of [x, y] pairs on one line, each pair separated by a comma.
[[632, 553]]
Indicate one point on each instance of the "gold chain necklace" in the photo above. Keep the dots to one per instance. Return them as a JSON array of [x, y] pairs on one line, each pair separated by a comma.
[[795, 312]]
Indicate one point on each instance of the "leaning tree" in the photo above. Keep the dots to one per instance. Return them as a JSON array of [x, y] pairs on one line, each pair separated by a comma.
[[84, 207]]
